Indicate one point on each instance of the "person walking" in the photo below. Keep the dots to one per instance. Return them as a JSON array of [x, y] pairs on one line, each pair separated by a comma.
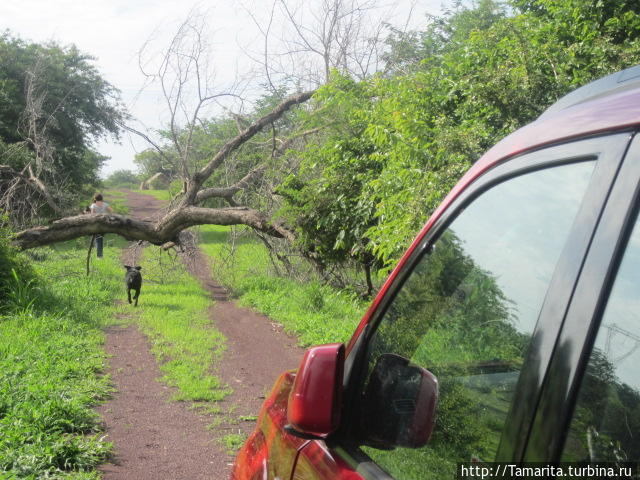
[[99, 206]]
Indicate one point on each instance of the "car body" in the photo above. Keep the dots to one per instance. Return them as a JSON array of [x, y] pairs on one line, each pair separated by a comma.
[[509, 331]]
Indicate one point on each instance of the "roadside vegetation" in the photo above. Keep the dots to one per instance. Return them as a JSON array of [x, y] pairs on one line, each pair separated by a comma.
[[354, 173], [315, 312], [173, 314], [343, 173], [380, 153], [51, 360]]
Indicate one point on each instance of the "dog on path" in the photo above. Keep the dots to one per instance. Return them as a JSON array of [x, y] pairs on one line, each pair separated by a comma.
[[133, 281]]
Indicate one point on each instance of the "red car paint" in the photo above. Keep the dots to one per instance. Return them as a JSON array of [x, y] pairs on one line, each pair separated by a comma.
[[316, 461], [270, 440], [315, 399], [272, 453]]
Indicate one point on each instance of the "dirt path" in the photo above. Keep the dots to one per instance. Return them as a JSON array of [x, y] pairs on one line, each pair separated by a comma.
[[157, 439]]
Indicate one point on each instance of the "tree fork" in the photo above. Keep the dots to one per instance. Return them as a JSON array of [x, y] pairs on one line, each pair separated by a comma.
[[195, 183]]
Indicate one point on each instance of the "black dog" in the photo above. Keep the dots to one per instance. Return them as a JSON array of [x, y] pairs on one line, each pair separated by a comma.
[[133, 280]]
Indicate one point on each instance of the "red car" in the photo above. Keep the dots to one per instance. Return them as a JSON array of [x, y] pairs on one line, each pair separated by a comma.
[[508, 332]]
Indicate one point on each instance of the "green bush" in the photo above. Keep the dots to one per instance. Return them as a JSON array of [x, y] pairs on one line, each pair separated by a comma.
[[14, 269], [51, 361]]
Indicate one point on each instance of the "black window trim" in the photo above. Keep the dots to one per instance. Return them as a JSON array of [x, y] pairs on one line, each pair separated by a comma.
[[585, 312], [575, 151]]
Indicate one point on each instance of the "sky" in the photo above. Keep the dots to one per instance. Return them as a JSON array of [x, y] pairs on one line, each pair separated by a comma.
[[114, 31]]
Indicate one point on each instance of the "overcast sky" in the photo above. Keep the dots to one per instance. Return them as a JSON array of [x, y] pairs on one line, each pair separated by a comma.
[[114, 31]]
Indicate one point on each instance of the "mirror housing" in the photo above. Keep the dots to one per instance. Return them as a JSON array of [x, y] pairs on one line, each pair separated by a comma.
[[316, 396], [399, 407]]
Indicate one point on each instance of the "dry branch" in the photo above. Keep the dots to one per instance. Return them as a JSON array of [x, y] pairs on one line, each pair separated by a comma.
[[30, 178], [185, 214], [195, 183], [167, 229]]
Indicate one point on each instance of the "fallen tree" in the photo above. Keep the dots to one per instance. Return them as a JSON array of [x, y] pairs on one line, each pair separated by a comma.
[[186, 212], [244, 186]]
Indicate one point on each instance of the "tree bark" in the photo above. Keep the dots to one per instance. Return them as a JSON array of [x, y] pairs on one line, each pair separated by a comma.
[[165, 230]]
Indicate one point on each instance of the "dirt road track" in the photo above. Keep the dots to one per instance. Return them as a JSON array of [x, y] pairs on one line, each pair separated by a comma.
[[156, 439]]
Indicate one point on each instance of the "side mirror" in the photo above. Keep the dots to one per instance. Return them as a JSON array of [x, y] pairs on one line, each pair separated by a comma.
[[315, 399], [399, 408]]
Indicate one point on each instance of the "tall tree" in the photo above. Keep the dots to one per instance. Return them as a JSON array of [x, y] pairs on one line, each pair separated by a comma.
[[378, 154], [54, 106]]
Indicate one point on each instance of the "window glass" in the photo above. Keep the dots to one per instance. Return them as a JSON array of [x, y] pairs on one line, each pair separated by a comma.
[[606, 421], [466, 313]]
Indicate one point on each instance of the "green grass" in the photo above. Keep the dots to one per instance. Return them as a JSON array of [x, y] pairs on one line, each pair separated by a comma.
[[52, 363], [314, 312], [163, 195], [173, 314], [232, 442], [51, 360]]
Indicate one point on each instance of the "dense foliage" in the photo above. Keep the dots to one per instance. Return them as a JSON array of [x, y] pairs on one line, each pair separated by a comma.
[[122, 178], [54, 105], [404, 138]]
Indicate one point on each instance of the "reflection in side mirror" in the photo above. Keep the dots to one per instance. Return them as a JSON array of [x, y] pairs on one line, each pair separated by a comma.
[[399, 405]]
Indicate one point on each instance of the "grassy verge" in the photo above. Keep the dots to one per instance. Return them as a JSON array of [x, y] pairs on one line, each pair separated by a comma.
[[163, 195], [314, 312], [173, 314], [51, 360]]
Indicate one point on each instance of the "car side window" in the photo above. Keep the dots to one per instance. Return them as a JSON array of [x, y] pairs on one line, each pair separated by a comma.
[[466, 313], [606, 421]]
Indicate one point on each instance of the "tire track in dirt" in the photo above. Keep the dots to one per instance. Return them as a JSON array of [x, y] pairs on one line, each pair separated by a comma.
[[157, 439]]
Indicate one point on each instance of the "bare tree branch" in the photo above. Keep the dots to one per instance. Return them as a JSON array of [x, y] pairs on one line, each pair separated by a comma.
[[24, 192], [150, 141], [165, 230], [196, 182], [229, 192], [185, 84], [180, 72]]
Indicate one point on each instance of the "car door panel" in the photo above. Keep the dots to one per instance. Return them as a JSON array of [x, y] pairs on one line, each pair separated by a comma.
[[583, 316], [316, 461]]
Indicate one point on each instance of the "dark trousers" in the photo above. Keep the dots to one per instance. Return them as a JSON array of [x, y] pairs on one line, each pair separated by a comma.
[[99, 240]]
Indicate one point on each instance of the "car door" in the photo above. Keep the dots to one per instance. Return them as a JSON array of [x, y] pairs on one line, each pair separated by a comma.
[[479, 304], [590, 405]]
